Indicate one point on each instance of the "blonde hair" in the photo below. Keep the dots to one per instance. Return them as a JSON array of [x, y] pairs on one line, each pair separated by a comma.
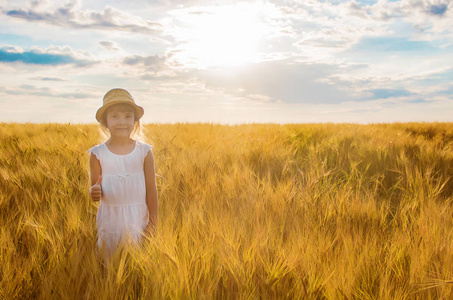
[[137, 133]]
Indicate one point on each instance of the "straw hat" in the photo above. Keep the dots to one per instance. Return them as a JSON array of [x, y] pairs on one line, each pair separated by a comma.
[[116, 96]]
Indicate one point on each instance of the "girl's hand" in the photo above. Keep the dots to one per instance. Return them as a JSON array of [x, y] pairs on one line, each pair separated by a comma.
[[150, 229], [96, 190]]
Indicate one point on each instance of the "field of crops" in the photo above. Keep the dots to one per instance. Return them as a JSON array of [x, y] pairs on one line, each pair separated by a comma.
[[301, 211]]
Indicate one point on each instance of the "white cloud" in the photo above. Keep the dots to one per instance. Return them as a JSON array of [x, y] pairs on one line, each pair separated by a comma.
[[426, 16], [279, 81], [322, 29], [12, 49], [32, 90], [73, 15], [109, 45], [48, 79], [153, 63], [53, 55]]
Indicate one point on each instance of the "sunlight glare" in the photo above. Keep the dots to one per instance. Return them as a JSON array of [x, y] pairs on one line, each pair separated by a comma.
[[225, 36]]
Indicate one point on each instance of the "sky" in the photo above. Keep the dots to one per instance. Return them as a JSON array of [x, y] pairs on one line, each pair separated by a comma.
[[229, 62]]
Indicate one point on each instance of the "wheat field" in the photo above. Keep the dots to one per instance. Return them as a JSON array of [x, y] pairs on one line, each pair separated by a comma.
[[297, 211]]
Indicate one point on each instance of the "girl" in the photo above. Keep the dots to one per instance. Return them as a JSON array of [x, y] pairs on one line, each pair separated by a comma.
[[122, 175]]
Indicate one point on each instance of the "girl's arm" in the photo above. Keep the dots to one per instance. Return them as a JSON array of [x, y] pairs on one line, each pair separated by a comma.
[[151, 190], [96, 179]]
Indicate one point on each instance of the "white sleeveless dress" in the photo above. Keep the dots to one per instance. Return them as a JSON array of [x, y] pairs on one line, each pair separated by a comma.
[[123, 211]]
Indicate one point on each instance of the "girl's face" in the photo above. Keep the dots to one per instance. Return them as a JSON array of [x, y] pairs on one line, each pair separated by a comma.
[[120, 120]]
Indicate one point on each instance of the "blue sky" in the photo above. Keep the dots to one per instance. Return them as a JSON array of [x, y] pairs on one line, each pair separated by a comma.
[[231, 62]]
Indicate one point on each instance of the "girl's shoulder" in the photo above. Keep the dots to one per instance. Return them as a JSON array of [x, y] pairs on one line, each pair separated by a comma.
[[96, 150], [143, 144], [143, 147]]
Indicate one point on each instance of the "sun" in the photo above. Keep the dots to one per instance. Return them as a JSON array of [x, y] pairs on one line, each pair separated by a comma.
[[220, 36]]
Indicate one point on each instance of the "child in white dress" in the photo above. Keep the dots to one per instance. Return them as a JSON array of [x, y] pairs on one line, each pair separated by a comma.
[[122, 175]]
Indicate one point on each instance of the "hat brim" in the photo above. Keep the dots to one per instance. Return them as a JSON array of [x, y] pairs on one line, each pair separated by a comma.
[[101, 110]]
